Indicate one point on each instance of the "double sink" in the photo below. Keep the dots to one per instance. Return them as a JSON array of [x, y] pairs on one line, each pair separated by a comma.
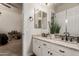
[[63, 37]]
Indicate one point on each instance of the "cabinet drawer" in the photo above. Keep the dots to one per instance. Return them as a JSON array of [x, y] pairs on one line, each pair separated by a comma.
[[64, 51]]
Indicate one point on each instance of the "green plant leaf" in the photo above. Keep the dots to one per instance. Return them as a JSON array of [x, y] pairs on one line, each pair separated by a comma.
[[55, 28]]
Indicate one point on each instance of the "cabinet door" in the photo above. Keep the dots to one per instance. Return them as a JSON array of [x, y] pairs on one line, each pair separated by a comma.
[[34, 45], [46, 49], [37, 49], [64, 51]]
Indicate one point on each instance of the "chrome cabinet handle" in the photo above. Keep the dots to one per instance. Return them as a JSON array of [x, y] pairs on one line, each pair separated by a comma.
[[62, 51]]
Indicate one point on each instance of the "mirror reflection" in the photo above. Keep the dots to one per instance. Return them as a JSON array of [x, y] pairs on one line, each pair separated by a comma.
[[40, 19]]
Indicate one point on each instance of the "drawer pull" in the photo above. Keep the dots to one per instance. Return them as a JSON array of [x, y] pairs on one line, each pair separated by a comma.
[[44, 44], [62, 51], [39, 47], [48, 52]]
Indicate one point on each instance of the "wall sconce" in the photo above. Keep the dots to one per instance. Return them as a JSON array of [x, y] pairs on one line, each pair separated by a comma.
[[30, 18]]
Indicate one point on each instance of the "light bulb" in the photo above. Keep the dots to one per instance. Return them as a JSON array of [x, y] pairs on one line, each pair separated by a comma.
[[66, 21]]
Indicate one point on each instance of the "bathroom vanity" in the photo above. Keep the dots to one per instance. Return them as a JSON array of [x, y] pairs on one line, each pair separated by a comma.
[[43, 46]]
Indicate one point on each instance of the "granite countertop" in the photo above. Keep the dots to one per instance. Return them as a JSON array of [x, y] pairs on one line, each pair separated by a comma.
[[59, 42]]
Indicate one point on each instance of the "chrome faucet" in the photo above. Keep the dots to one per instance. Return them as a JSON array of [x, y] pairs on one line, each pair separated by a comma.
[[66, 36]]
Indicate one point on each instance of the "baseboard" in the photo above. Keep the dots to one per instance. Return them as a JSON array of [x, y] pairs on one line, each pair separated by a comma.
[[27, 54], [30, 54]]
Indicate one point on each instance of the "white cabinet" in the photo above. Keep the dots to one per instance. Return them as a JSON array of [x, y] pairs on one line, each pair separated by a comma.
[[43, 48], [46, 49], [64, 51], [37, 47]]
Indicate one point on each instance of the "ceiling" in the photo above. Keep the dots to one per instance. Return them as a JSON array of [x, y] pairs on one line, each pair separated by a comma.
[[15, 5], [19, 5], [56, 4]]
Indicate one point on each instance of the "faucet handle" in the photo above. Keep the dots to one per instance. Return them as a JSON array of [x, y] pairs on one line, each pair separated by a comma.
[[67, 33]]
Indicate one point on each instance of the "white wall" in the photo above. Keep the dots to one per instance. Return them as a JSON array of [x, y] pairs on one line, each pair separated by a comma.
[[10, 19], [28, 10], [73, 20], [63, 6]]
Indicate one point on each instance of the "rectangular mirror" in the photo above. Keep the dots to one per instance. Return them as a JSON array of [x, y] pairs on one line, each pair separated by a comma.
[[40, 19]]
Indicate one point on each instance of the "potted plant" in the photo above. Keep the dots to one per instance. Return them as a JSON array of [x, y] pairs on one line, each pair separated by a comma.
[[54, 28]]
